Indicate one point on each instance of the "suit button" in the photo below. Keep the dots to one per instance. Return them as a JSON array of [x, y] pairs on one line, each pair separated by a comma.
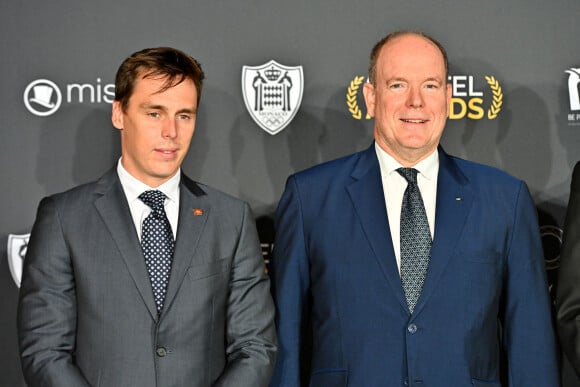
[[161, 352], [412, 328]]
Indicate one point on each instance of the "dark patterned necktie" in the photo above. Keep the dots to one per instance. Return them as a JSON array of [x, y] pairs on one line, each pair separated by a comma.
[[157, 243], [415, 239]]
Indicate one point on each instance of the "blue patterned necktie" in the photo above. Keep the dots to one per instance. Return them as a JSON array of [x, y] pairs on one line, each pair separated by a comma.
[[157, 243], [415, 239]]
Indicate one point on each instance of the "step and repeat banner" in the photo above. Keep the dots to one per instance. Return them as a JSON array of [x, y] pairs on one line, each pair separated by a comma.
[[283, 92]]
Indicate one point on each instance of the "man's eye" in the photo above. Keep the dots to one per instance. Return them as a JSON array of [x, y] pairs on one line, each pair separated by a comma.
[[184, 117], [153, 114]]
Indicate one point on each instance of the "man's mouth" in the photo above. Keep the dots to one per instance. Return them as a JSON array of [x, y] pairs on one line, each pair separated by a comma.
[[412, 121], [167, 152]]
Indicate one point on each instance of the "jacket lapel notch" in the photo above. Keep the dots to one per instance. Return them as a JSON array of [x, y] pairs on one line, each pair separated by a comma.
[[368, 200], [454, 201], [114, 211], [194, 212]]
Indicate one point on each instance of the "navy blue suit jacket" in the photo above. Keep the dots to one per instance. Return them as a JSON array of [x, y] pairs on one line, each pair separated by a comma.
[[335, 280]]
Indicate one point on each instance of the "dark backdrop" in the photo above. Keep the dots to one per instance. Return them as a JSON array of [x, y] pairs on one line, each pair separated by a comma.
[[523, 47]]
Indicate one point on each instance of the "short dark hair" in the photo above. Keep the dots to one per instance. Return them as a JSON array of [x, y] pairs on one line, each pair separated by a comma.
[[377, 49], [168, 62]]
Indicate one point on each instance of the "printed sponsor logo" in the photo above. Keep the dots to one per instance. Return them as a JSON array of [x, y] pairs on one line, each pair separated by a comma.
[[16, 251], [43, 97], [272, 94], [574, 94], [467, 100]]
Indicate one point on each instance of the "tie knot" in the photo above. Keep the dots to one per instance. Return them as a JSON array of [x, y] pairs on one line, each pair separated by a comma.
[[154, 199], [410, 174]]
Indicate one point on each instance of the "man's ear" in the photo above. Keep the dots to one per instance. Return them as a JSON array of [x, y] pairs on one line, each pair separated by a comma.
[[117, 115], [369, 94]]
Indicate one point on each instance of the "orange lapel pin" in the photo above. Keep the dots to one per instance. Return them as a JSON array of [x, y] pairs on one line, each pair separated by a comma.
[[197, 212]]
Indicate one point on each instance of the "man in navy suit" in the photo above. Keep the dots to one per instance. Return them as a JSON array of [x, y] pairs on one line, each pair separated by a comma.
[[344, 318]]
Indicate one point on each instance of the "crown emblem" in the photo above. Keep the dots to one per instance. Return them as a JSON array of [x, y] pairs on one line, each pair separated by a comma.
[[272, 73]]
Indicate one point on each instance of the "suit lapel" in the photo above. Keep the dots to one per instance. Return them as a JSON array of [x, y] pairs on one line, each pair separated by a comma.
[[194, 210], [114, 210], [368, 199], [454, 200]]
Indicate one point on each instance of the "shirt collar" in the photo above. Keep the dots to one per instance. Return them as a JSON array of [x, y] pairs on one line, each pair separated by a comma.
[[428, 167], [134, 187]]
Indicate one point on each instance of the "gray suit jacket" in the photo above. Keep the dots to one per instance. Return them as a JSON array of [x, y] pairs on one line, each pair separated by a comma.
[[87, 314]]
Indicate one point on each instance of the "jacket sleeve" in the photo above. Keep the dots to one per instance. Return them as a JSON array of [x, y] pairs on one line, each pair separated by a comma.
[[251, 334], [528, 332], [47, 305], [290, 286], [568, 284]]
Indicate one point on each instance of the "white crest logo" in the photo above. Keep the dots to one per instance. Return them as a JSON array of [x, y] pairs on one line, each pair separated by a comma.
[[573, 83], [272, 94], [42, 97], [17, 247]]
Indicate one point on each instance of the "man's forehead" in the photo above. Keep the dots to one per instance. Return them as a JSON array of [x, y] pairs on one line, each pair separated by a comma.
[[400, 61], [153, 92], [410, 44], [157, 84]]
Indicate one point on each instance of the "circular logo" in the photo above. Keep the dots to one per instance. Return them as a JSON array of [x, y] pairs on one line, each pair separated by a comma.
[[42, 97], [551, 241]]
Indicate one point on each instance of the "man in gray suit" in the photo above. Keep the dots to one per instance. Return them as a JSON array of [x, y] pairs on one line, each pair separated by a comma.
[[119, 290]]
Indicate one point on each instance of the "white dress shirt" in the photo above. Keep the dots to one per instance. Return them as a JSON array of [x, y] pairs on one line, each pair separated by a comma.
[[394, 186], [139, 210]]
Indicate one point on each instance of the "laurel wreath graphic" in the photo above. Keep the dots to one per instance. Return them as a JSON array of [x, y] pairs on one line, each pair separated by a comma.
[[351, 93], [497, 100]]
